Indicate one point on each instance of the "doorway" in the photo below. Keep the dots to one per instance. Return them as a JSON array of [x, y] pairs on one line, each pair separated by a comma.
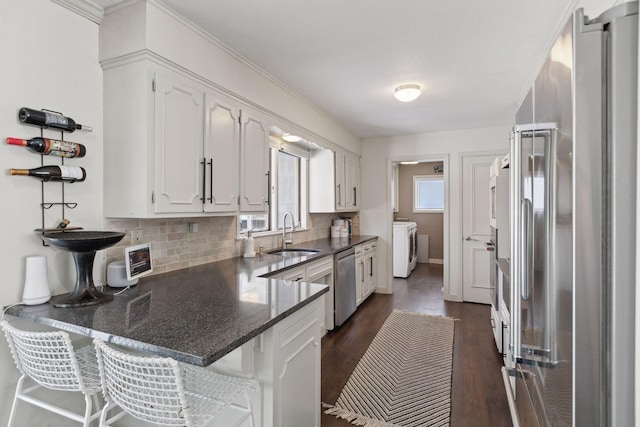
[[419, 194]]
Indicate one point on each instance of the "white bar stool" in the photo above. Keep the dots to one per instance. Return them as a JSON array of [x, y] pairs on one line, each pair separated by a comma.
[[161, 390], [49, 359]]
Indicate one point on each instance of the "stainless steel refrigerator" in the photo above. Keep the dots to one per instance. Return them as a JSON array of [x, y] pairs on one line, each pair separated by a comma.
[[573, 215]]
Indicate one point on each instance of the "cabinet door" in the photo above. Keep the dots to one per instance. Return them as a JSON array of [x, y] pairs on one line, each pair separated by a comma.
[[178, 145], [254, 155], [352, 182], [369, 269], [221, 153], [297, 372], [360, 279], [373, 274], [341, 199]]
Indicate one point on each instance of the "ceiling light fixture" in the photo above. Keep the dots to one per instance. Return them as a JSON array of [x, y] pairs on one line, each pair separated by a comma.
[[291, 138], [407, 93], [408, 163]]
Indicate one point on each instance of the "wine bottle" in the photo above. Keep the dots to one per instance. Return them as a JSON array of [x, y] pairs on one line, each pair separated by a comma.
[[50, 119], [51, 146], [53, 173]]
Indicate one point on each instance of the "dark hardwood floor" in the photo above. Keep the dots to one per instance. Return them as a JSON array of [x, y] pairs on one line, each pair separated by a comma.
[[477, 397]]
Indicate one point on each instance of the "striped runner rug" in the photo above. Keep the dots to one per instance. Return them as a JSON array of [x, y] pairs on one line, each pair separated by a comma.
[[404, 377]]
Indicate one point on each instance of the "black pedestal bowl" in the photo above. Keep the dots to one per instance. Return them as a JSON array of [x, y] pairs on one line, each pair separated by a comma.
[[83, 246]]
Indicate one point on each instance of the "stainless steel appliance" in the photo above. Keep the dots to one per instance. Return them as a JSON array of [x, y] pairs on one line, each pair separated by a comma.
[[573, 197], [345, 285]]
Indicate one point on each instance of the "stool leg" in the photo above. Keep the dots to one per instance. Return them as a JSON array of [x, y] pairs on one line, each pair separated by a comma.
[[246, 395], [15, 400], [87, 410], [103, 415]]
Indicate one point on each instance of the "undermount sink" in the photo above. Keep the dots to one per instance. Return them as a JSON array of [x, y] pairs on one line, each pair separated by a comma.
[[295, 252]]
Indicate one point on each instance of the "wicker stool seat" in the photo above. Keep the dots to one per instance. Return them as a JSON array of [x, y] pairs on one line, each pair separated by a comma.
[[49, 359], [163, 391]]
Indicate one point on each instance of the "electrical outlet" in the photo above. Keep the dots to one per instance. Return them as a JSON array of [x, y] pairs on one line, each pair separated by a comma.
[[136, 237]]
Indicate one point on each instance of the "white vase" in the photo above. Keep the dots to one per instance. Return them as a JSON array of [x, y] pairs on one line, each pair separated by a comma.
[[36, 281]]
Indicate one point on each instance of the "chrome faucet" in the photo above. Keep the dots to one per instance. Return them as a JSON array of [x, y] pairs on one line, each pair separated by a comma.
[[286, 241]]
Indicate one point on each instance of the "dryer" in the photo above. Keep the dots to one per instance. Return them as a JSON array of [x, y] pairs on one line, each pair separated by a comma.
[[405, 252]]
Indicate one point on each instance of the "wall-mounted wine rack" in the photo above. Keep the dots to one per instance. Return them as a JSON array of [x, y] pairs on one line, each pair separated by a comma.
[[63, 203]]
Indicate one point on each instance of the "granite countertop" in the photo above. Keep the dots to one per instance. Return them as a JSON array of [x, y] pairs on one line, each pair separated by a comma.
[[268, 264], [199, 314]]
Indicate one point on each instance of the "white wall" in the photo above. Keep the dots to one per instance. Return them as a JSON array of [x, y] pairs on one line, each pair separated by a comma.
[[376, 216], [49, 60]]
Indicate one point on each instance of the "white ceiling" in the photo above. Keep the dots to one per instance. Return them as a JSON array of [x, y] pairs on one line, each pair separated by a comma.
[[473, 58]]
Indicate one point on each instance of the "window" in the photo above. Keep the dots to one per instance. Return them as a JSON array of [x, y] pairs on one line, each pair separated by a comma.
[[428, 194], [288, 194], [287, 187]]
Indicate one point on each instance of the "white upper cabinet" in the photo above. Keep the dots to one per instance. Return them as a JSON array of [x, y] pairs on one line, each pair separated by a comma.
[[189, 146], [221, 154], [352, 183], [341, 184], [334, 182], [254, 155], [178, 145], [175, 147]]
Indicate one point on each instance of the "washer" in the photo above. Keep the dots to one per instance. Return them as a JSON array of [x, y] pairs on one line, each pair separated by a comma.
[[404, 248]]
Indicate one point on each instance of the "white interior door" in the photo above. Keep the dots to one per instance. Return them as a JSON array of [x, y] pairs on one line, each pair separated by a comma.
[[475, 228]]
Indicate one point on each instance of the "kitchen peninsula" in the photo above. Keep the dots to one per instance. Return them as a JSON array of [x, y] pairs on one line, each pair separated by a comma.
[[223, 315], [202, 314]]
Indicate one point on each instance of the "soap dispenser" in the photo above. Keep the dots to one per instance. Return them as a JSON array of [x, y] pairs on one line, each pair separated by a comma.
[[249, 246]]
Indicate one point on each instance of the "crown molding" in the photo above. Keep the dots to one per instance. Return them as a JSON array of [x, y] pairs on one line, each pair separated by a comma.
[[86, 8]]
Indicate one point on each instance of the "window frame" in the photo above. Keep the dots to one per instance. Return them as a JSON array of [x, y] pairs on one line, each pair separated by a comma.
[[271, 213], [422, 178]]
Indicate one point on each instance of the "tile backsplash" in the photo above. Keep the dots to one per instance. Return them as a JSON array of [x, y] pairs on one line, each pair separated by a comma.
[[174, 248]]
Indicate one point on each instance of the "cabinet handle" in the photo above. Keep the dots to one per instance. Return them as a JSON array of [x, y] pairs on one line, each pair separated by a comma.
[[355, 203], [268, 174], [339, 196], [362, 275], [371, 267], [204, 179], [211, 181]]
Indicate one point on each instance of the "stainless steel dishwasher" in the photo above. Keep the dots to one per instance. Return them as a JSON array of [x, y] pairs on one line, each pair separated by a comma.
[[345, 285]]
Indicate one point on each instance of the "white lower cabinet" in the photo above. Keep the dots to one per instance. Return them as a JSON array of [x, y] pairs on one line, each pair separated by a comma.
[[366, 276], [497, 328], [322, 272], [360, 275], [288, 367], [285, 359]]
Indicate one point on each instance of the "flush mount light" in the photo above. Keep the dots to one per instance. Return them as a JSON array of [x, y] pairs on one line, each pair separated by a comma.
[[407, 93], [291, 138], [408, 163]]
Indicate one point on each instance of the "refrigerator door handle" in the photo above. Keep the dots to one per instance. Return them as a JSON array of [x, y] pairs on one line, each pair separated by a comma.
[[527, 248], [521, 216]]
